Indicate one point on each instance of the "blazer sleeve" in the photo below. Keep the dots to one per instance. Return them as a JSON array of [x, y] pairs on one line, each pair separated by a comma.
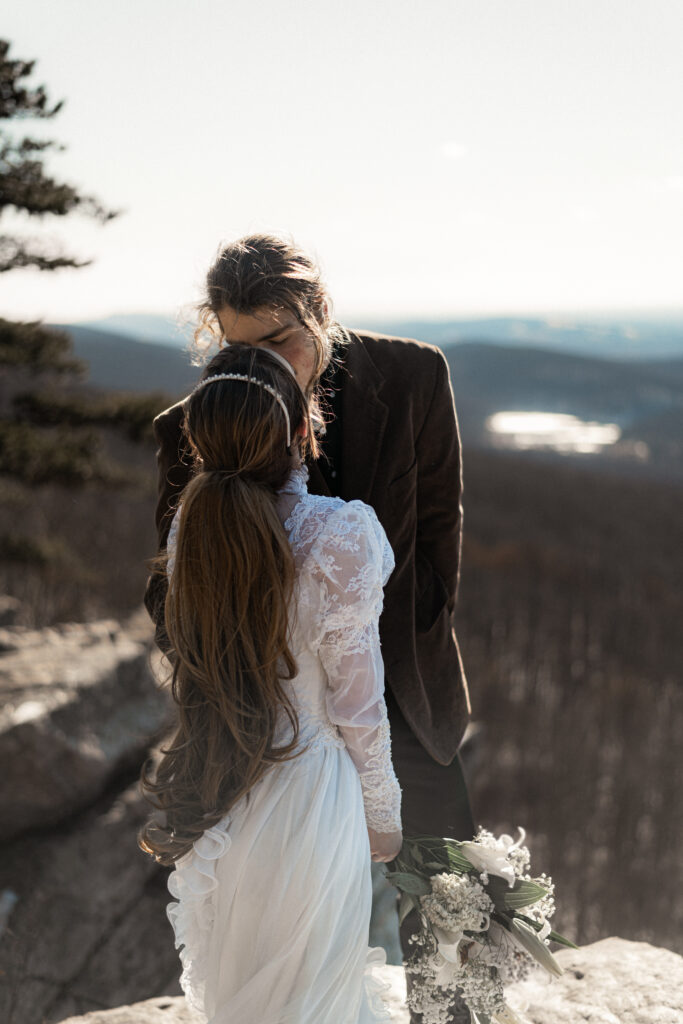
[[439, 488], [173, 472]]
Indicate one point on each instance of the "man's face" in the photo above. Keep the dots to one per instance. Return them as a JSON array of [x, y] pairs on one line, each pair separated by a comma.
[[275, 329]]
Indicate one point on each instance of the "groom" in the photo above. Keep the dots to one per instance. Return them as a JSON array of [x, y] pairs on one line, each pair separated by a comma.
[[393, 442]]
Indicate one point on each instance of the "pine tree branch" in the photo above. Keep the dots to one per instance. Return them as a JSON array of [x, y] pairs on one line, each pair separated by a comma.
[[15, 99], [25, 186], [20, 253]]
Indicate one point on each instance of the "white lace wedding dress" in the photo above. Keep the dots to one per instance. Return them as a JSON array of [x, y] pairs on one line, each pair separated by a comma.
[[273, 902]]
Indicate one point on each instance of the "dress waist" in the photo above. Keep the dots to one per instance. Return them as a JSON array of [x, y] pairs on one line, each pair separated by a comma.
[[315, 729]]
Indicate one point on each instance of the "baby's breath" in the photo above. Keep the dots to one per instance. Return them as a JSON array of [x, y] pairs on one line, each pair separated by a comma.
[[457, 903], [466, 946], [482, 988]]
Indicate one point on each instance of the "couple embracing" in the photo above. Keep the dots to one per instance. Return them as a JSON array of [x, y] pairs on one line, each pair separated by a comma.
[[309, 522]]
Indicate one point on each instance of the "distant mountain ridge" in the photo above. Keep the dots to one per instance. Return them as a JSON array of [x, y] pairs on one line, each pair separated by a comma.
[[624, 336], [645, 398], [121, 363]]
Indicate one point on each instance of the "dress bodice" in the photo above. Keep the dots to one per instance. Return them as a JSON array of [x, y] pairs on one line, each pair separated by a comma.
[[342, 561]]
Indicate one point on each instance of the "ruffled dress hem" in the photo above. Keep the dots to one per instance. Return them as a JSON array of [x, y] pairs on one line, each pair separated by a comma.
[[193, 883]]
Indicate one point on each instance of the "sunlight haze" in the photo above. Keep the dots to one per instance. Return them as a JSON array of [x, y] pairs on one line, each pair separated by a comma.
[[453, 159]]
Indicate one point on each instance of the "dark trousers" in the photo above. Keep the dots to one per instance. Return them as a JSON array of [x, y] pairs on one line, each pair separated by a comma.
[[434, 802]]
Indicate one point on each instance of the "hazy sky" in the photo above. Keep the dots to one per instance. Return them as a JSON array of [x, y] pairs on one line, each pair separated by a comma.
[[440, 159]]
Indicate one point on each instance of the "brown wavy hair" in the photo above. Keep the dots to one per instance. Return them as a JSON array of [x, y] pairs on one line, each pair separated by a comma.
[[226, 609], [264, 271]]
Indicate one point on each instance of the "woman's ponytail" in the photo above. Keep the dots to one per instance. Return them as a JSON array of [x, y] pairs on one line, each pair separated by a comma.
[[227, 611]]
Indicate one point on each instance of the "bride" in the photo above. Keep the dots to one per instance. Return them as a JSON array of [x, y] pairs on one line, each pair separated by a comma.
[[278, 786]]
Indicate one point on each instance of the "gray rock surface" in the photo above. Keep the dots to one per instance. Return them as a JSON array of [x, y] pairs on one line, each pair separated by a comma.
[[175, 1011], [78, 705], [85, 926], [152, 1011], [608, 982]]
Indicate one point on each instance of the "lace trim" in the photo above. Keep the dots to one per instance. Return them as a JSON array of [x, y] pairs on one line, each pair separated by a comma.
[[193, 883], [381, 791], [375, 988], [297, 482], [308, 519], [351, 640], [172, 542]]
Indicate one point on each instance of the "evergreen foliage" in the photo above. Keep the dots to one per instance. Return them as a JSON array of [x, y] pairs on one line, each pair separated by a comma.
[[43, 437], [63, 456], [132, 413], [37, 349], [25, 185]]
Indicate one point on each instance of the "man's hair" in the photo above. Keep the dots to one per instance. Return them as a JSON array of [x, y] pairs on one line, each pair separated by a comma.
[[268, 272]]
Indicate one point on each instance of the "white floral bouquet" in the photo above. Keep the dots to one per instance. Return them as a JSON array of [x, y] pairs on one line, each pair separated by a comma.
[[484, 923]]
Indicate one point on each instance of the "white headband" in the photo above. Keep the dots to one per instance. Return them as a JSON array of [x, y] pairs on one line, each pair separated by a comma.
[[252, 380]]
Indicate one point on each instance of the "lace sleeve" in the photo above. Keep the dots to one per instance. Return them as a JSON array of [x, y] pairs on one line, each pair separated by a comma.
[[172, 543], [352, 560]]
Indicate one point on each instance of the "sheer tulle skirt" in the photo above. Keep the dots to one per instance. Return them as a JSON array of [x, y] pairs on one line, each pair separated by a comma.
[[273, 903]]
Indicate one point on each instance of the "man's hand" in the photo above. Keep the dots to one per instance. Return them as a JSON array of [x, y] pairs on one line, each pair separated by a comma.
[[385, 846]]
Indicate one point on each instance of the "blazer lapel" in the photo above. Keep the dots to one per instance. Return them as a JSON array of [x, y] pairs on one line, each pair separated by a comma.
[[364, 418]]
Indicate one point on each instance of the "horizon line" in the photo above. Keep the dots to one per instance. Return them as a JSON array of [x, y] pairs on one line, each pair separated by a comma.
[[579, 314]]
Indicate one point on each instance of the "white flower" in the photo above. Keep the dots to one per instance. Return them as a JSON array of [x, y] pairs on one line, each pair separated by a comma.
[[448, 943], [457, 903], [445, 971], [492, 858]]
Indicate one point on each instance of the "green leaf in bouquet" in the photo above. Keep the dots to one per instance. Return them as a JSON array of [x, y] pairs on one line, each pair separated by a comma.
[[556, 937], [553, 936], [415, 885], [521, 894], [430, 844], [457, 861], [436, 853], [407, 903], [426, 842], [536, 948]]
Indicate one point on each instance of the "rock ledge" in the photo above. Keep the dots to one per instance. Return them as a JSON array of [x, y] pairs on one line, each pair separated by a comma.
[[609, 982]]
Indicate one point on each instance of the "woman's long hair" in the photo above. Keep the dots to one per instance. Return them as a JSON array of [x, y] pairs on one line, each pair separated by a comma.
[[227, 604]]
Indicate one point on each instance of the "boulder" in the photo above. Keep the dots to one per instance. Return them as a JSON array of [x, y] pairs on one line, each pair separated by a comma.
[[85, 922], [78, 705], [608, 982]]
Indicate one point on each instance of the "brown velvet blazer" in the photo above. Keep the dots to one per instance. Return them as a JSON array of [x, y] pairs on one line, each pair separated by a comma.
[[401, 455]]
